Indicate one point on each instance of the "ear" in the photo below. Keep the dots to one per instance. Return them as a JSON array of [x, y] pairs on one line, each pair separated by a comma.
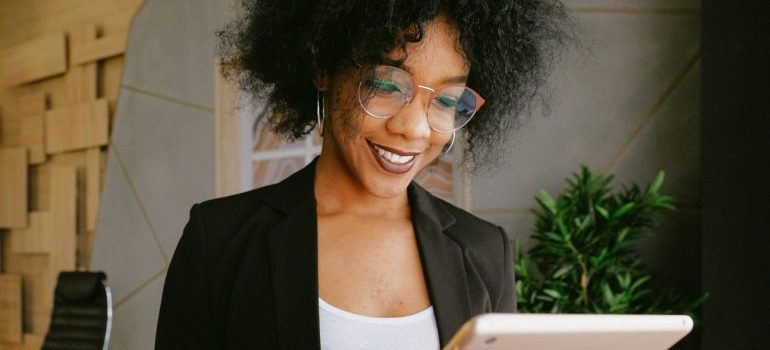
[[321, 80]]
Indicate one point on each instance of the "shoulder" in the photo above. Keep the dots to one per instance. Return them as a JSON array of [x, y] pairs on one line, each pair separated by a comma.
[[222, 220], [235, 205]]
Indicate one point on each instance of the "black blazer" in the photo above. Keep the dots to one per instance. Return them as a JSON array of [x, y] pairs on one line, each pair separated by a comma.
[[244, 274]]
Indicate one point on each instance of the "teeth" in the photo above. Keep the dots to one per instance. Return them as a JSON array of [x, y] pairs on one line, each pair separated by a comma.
[[392, 157]]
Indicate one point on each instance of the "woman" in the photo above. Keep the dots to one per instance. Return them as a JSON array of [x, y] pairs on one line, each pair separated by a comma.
[[350, 253]]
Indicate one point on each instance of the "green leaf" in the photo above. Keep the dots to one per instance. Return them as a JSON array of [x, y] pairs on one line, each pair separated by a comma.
[[564, 269], [547, 201], [617, 214], [655, 186], [552, 293], [609, 298], [603, 212]]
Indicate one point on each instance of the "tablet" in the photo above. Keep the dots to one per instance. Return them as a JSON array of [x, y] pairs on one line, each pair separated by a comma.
[[570, 331]]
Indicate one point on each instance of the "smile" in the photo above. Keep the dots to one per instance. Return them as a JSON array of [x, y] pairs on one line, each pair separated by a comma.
[[391, 160]]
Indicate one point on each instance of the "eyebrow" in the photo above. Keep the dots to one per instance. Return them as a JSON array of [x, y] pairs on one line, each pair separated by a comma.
[[451, 80]]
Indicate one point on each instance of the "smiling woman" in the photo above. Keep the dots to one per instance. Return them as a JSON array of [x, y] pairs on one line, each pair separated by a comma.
[[389, 85]]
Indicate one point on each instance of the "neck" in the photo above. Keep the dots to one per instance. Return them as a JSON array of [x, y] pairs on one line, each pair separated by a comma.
[[338, 192]]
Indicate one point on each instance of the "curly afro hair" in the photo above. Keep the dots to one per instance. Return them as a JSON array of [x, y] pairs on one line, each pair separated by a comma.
[[276, 47]]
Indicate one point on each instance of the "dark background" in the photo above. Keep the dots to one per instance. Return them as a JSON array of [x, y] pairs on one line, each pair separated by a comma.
[[735, 179]]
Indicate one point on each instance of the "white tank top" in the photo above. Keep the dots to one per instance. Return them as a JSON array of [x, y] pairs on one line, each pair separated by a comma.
[[344, 330]]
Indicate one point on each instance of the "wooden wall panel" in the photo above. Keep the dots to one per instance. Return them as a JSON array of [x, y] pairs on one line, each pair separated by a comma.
[[93, 186], [63, 218], [104, 47], [40, 177], [81, 79], [10, 309], [32, 136], [34, 60], [35, 239], [21, 20], [38, 284], [67, 155], [13, 187], [76, 127]]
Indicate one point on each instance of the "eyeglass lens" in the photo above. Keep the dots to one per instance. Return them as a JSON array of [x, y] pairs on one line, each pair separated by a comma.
[[385, 90]]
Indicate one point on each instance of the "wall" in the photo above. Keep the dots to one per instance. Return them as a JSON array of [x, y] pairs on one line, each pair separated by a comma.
[[161, 158], [626, 101], [60, 66]]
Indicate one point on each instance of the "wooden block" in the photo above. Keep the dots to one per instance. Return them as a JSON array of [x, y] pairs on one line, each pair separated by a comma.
[[32, 136], [78, 126], [13, 187], [80, 83], [93, 186], [63, 209], [10, 309], [34, 60], [81, 79], [33, 341], [35, 239], [99, 49], [117, 21], [38, 288], [30, 101], [112, 71], [40, 177]]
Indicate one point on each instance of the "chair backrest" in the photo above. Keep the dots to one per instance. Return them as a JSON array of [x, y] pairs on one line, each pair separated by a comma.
[[82, 312]]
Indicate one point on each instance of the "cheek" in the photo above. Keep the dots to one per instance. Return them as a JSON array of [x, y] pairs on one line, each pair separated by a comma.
[[347, 120], [437, 144]]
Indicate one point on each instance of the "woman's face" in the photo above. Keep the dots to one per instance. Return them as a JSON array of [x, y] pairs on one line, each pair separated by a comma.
[[363, 146]]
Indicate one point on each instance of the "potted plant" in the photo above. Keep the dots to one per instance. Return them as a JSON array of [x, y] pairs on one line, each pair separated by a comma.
[[584, 260]]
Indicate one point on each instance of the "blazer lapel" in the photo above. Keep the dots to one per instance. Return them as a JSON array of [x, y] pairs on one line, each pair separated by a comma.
[[443, 264], [293, 255]]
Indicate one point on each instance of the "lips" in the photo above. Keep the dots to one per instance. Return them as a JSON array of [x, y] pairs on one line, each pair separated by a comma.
[[392, 160]]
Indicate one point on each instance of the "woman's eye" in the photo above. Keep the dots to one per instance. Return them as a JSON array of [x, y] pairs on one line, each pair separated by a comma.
[[446, 101], [386, 86]]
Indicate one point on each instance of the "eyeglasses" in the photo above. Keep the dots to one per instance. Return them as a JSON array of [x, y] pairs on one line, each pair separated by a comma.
[[384, 91]]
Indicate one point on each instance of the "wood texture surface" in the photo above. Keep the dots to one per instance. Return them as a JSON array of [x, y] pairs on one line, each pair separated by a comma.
[[13, 187], [32, 136], [10, 308], [34, 270], [64, 218], [99, 49], [65, 55], [35, 239], [78, 126], [93, 173], [36, 59]]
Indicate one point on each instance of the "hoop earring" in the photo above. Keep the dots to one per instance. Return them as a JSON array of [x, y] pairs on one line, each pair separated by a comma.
[[451, 143], [319, 113]]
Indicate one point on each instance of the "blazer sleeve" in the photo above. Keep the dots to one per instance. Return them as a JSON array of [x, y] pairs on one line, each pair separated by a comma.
[[507, 300], [185, 319]]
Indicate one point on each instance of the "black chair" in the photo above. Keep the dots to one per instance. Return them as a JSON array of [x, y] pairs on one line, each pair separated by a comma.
[[82, 313]]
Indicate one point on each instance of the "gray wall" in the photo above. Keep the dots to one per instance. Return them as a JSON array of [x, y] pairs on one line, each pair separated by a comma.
[[161, 159], [626, 103]]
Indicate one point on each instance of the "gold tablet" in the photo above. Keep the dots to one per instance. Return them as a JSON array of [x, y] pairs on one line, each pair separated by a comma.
[[570, 331]]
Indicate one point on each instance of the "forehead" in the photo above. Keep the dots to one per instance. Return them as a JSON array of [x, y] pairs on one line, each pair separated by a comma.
[[438, 56]]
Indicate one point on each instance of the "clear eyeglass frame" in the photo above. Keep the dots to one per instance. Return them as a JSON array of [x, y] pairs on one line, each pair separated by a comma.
[[434, 93]]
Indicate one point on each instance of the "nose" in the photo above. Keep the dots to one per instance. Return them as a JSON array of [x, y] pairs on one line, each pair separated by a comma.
[[412, 120]]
